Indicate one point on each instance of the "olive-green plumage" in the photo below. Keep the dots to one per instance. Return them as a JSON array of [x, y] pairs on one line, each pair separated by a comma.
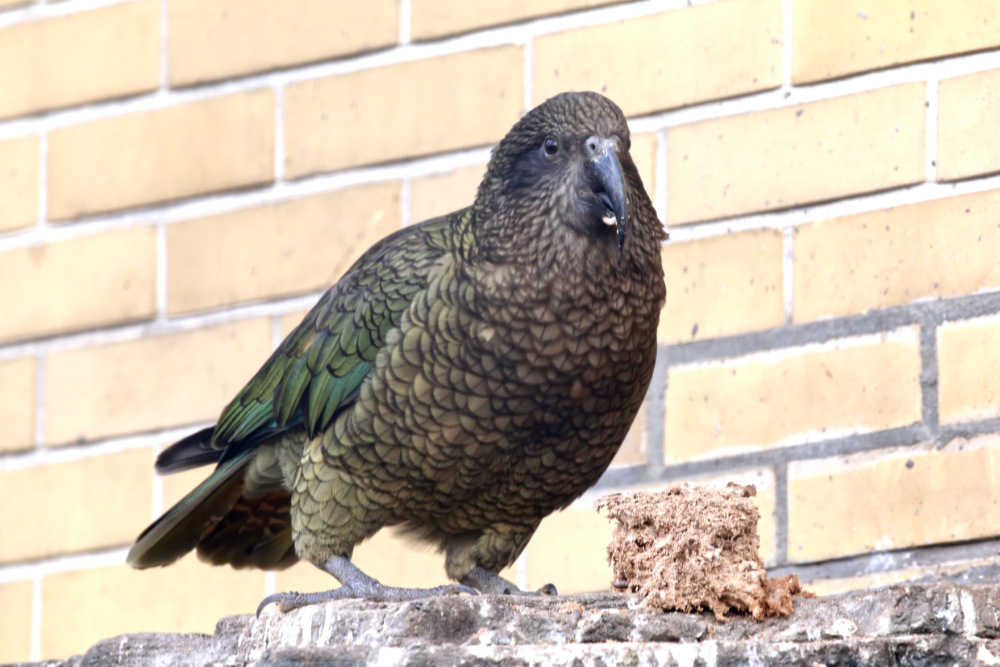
[[466, 377]]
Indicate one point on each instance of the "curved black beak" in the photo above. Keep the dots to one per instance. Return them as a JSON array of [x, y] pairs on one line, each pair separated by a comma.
[[604, 153]]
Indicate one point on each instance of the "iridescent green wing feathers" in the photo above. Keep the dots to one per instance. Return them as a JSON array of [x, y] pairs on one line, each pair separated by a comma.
[[315, 372], [319, 368]]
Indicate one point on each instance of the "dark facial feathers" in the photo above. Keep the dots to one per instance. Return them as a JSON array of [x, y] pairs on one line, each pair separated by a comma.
[[564, 167]]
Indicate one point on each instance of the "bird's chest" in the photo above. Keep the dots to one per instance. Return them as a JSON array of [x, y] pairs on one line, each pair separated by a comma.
[[561, 345]]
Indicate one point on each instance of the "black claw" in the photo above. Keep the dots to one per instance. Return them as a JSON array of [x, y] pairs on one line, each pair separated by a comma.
[[547, 589], [274, 597], [458, 589]]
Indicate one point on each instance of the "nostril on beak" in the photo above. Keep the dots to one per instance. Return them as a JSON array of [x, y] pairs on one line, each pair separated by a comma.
[[593, 145]]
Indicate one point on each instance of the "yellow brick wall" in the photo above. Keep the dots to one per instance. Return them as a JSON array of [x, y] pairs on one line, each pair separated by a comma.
[[180, 179]]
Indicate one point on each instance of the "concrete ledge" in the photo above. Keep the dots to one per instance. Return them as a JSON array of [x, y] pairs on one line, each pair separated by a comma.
[[925, 624]]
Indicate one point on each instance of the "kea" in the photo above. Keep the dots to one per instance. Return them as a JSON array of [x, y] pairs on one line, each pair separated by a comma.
[[465, 378]]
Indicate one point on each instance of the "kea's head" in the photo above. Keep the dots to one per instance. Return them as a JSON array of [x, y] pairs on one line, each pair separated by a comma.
[[562, 175]]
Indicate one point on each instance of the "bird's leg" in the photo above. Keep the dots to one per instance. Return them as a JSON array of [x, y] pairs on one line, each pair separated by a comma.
[[356, 584], [491, 583]]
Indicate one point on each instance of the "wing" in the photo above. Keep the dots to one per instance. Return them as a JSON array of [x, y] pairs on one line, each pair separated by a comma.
[[319, 368], [315, 373]]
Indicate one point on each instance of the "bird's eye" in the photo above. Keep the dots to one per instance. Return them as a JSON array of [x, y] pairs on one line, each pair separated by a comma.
[[550, 146]]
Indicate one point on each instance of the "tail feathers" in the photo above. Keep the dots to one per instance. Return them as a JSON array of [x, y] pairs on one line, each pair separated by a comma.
[[191, 452], [180, 529], [256, 532]]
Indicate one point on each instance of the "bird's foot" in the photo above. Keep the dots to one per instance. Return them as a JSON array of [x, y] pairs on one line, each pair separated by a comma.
[[380, 593], [356, 584], [292, 600], [491, 583]]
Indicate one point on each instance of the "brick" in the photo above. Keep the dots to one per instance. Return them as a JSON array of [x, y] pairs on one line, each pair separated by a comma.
[[17, 601], [643, 152], [792, 396], [290, 321], [353, 119], [968, 134], [965, 392], [66, 53], [440, 194], [824, 587], [17, 405], [73, 505], [895, 256], [911, 497], [635, 448], [155, 156], [667, 60], [179, 484], [19, 173], [215, 39], [393, 558], [832, 39], [570, 550], [305, 577], [781, 158], [436, 18], [834, 586], [722, 286], [188, 596], [152, 383], [274, 250], [767, 527], [120, 285]]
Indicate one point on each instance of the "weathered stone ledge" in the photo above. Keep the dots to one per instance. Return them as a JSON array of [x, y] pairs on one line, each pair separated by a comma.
[[922, 624]]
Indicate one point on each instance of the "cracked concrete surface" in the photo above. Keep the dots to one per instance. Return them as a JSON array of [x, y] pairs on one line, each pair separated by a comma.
[[923, 624]]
